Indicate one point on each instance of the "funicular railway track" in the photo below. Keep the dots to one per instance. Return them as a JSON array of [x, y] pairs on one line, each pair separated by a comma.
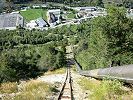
[[66, 91]]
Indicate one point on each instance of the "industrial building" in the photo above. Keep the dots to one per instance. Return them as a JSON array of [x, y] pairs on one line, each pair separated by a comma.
[[11, 21], [53, 16]]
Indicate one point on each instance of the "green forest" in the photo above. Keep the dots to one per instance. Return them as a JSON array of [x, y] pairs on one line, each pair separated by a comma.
[[109, 42], [26, 54], [125, 3], [98, 43]]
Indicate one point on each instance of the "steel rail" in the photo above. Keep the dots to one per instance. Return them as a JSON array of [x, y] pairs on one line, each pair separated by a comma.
[[66, 89]]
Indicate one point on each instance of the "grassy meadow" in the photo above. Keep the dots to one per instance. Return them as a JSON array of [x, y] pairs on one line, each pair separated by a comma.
[[105, 90], [32, 14]]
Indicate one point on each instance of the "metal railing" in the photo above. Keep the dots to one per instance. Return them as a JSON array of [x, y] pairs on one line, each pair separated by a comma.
[[122, 73]]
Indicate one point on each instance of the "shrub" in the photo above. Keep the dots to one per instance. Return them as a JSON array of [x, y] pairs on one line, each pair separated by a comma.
[[108, 90], [10, 87], [105, 90], [34, 90]]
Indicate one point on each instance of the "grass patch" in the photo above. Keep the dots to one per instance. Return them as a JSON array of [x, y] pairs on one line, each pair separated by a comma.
[[88, 84], [32, 14], [31, 90], [108, 90], [57, 71], [35, 90], [74, 68], [105, 90], [71, 15], [35, 85], [10, 87]]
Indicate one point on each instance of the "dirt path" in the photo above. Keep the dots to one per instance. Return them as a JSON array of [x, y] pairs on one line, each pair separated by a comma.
[[55, 78], [58, 79], [78, 92]]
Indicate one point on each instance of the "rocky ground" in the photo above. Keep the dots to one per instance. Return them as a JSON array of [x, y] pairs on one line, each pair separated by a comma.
[[78, 92], [58, 79]]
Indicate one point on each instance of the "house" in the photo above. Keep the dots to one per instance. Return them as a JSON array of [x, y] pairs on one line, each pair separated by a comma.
[[32, 24], [89, 9], [53, 16], [36, 6], [39, 6], [11, 21], [87, 12], [43, 5], [130, 11], [39, 23]]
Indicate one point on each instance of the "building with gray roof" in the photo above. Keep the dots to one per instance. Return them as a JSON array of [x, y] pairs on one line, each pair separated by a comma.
[[41, 22], [11, 21]]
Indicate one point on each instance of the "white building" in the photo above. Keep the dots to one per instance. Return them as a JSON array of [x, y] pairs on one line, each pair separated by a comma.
[[53, 16], [39, 5], [11, 21], [90, 11], [85, 8], [36, 6]]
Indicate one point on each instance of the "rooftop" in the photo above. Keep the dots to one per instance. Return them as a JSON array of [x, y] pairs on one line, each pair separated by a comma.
[[54, 10], [10, 20], [41, 22], [79, 8]]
